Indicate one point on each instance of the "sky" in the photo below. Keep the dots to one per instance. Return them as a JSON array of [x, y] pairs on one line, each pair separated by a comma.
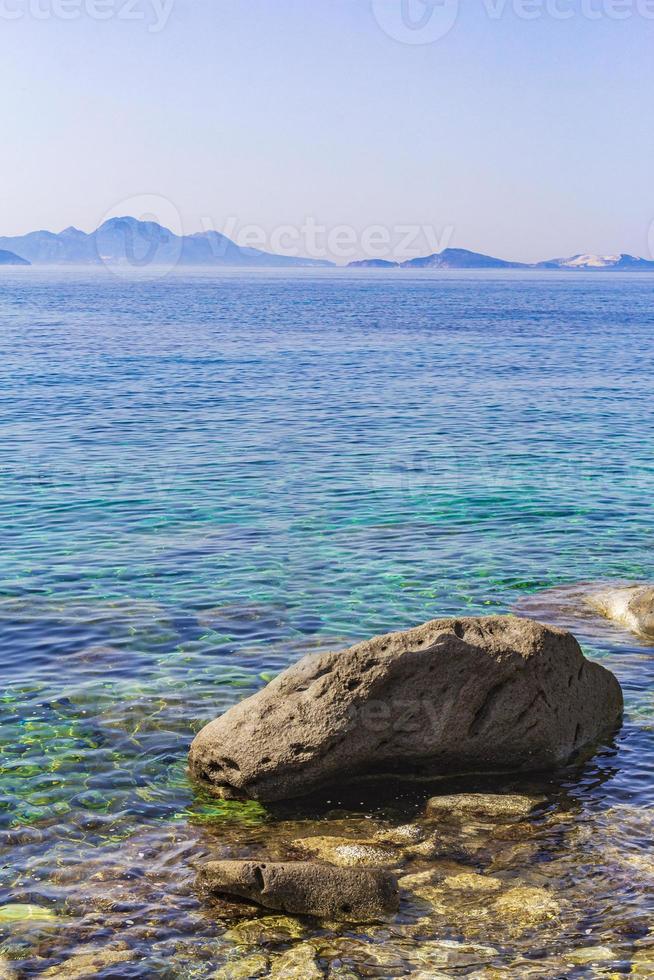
[[335, 128]]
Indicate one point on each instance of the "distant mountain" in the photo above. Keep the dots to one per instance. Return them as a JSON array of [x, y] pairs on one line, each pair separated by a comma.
[[10, 258], [460, 258], [127, 241], [599, 263]]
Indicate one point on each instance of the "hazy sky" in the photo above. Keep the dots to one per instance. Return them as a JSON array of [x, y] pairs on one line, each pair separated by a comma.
[[526, 130]]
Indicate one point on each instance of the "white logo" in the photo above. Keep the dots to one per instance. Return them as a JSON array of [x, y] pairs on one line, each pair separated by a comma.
[[416, 21], [141, 233]]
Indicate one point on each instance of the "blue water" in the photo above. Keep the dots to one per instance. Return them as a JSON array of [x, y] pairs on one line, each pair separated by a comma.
[[203, 477]]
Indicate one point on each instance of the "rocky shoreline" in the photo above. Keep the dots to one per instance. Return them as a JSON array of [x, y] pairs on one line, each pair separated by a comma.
[[451, 696]]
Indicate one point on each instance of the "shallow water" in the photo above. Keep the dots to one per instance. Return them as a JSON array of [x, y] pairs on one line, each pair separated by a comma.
[[204, 477]]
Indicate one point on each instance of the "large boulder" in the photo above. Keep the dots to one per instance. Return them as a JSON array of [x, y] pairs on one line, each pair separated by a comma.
[[631, 606], [306, 888], [453, 696]]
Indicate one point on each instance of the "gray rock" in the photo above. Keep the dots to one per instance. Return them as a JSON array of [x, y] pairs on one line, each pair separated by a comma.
[[631, 606], [452, 696], [306, 888]]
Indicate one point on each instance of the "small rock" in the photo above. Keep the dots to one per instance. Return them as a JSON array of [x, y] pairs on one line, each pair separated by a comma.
[[483, 806], [26, 913], [87, 962], [364, 957], [590, 954], [349, 853], [268, 930], [306, 888], [642, 962], [298, 963], [6, 970], [470, 882], [444, 954], [244, 968], [524, 907], [631, 606], [409, 833]]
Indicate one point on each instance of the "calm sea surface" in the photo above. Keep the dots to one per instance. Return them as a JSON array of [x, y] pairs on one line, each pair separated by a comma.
[[203, 477]]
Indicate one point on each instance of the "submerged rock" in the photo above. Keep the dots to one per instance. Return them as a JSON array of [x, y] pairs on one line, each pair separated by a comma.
[[631, 606], [27, 913], [484, 806], [583, 955], [243, 968], [349, 853], [525, 907], [452, 696], [306, 888], [6, 970], [270, 930], [402, 836], [298, 963], [88, 962]]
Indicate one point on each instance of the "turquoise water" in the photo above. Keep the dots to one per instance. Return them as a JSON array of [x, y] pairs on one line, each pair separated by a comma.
[[203, 477]]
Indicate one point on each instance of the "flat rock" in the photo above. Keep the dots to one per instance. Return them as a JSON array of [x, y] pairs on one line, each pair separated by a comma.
[[349, 853], [453, 696], [306, 888], [26, 913], [483, 806], [631, 606]]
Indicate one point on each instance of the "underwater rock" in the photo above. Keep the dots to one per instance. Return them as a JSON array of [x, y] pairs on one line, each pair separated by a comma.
[[298, 963], [306, 888], [243, 968], [88, 962], [642, 963], [631, 606], [270, 930], [349, 853], [483, 806], [6, 970], [584, 955], [452, 696], [403, 836], [525, 907], [27, 913]]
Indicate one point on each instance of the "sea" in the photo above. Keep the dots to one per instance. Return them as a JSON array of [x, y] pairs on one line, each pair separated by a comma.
[[204, 476]]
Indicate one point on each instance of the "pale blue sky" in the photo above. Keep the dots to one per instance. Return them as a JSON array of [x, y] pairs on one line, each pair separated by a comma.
[[525, 138]]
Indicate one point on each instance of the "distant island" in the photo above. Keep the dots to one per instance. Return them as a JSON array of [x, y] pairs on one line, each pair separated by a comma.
[[10, 258], [461, 258], [127, 241]]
